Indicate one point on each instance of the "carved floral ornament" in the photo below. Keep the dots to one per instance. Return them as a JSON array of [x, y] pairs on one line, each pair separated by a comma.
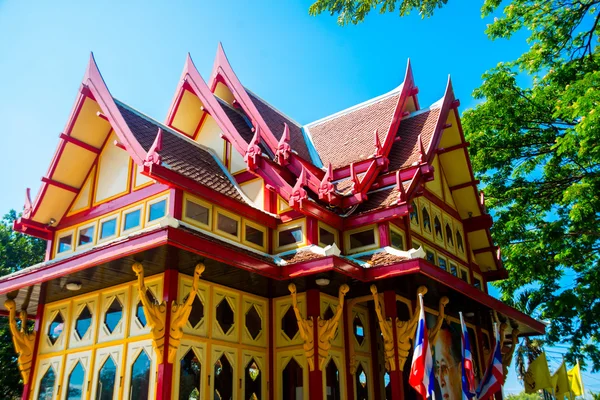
[[327, 328], [156, 314]]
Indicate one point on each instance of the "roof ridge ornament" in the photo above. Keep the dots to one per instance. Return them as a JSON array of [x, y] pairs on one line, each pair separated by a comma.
[[298, 193], [326, 188], [354, 179], [253, 151], [421, 150], [28, 208], [400, 187], [152, 157], [283, 146], [378, 147]]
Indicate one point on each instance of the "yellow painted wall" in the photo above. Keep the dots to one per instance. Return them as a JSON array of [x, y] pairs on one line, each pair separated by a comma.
[[209, 136], [223, 92], [139, 180], [435, 186], [188, 113], [113, 172], [84, 198], [255, 192], [236, 162], [89, 127]]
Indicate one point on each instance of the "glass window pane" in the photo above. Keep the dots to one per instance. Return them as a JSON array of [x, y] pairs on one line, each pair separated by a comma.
[[326, 237], [190, 377], [196, 212], [291, 381], [108, 228], [253, 322], [47, 385], [225, 316], [75, 389], [140, 377], [362, 390], [106, 380], [396, 239], [464, 275], [83, 323], [459, 242], [157, 210], [56, 328], [442, 263], [65, 243], [255, 236], [227, 225], [132, 220], [453, 269], [86, 236], [426, 220], [113, 315], [361, 239], [437, 226], [252, 382], [223, 379], [290, 236], [332, 381], [449, 235], [430, 256]]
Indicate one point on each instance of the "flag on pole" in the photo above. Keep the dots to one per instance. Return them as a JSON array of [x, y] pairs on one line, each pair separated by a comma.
[[561, 381], [537, 376], [468, 370], [494, 377], [421, 370], [575, 381]]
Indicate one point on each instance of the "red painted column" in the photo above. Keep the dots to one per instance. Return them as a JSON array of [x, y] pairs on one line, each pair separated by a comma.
[[315, 378], [272, 363], [175, 203], [348, 341], [165, 369], [384, 234], [396, 378], [312, 231], [39, 319], [376, 369]]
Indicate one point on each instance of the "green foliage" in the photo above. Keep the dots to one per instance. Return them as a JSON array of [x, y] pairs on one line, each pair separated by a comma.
[[595, 396], [355, 11], [524, 396], [17, 251]]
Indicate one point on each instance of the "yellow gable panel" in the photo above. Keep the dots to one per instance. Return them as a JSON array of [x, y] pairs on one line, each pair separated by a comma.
[[112, 178], [451, 136], [188, 114], [447, 193], [466, 202], [254, 191], [456, 167], [210, 136], [89, 128], [73, 165], [140, 180], [84, 198], [223, 92], [54, 205], [478, 240], [435, 186], [236, 163]]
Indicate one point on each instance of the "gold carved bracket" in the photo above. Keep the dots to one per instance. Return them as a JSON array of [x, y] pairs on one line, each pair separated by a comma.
[[387, 331], [405, 331], [305, 327], [507, 351], [24, 341], [156, 314]]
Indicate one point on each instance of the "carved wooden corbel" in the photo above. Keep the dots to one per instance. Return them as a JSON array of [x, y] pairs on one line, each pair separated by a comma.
[[386, 326], [156, 314], [24, 341], [328, 327], [306, 330], [441, 318], [405, 331], [506, 350]]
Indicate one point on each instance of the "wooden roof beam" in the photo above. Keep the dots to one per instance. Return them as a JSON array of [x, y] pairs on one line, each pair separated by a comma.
[[60, 185], [481, 222], [464, 185], [459, 146], [79, 143]]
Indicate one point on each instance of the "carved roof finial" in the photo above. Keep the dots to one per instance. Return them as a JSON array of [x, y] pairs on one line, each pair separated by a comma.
[[283, 147], [152, 157], [354, 178], [400, 188], [378, 148], [298, 193], [326, 188], [253, 151], [28, 208], [421, 150]]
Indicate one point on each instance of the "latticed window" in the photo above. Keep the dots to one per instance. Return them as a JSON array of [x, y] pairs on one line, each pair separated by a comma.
[[253, 322], [362, 390], [190, 376], [83, 322], [291, 380], [289, 324], [106, 380], [76, 379], [140, 377], [332, 381]]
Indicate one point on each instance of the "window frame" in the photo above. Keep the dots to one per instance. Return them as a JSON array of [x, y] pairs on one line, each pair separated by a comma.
[[461, 269], [445, 260], [258, 227], [199, 202], [61, 235], [324, 226], [128, 211], [435, 256], [149, 203], [107, 218], [300, 223], [360, 249], [478, 278], [225, 213], [395, 229], [94, 236]]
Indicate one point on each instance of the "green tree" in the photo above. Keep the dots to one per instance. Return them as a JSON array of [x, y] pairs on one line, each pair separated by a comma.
[[524, 396], [534, 145], [17, 251]]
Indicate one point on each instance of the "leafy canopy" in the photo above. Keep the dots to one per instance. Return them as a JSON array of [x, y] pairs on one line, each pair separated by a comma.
[[535, 145], [17, 251]]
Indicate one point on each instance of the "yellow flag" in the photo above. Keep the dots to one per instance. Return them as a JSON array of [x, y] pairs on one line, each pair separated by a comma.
[[575, 381], [537, 376], [561, 381]]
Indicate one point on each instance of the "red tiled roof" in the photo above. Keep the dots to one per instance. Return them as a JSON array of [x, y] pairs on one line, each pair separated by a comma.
[[181, 156], [381, 258], [380, 199], [349, 137], [300, 256], [275, 120], [405, 152]]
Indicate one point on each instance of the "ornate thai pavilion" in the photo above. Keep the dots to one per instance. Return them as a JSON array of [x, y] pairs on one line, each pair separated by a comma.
[[229, 252]]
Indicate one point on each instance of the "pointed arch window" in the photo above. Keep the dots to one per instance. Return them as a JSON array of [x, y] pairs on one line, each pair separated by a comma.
[[76, 379], [253, 384], [362, 389], [426, 220], [459, 242], [190, 374], [449, 236], [332, 381], [437, 226], [223, 379], [106, 380], [140, 377], [47, 385], [414, 214], [291, 381]]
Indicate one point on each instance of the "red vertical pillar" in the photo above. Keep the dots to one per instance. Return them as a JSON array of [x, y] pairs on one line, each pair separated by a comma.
[[312, 231], [272, 362], [175, 203], [396, 378], [165, 369], [315, 378], [376, 369], [39, 319], [348, 341], [384, 234]]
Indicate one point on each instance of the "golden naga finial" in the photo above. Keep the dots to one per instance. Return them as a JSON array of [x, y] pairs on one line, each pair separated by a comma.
[[156, 314], [181, 313], [441, 318], [386, 326], [24, 341], [328, 327], [405, 330], [305, 327]]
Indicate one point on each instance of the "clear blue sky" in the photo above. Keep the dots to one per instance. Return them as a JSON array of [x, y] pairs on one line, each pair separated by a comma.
[[308, 67]]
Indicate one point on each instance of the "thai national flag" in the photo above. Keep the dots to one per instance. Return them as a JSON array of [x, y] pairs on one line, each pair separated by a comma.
[[468, 371], [494, 377], [421, 369]]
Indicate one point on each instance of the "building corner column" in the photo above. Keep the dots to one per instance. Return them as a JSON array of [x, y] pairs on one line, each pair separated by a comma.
[[315, 377], [396, 376], [39, 319], [165, 369]]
